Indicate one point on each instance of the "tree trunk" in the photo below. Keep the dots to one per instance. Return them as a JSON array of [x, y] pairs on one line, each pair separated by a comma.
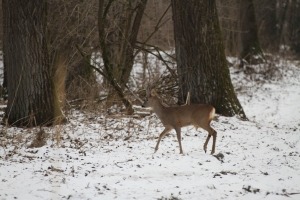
[[293, 26], [3, 88], [121, 28], [31, 98], [71, 28], [267, 24], [229, 22], [201, 62], [119, 22], [81, 80], [250, 51], [282, 14], [1, 26]]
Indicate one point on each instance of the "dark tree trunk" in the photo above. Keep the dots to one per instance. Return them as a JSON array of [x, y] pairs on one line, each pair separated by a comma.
[[282, 14], [31, 98], [3, 92], [229, 22], [293, 26], [119, 23], [4, 84], [1, 26], [201, 62], [81, 80], [267, 24], [71, 30], [250, 46]]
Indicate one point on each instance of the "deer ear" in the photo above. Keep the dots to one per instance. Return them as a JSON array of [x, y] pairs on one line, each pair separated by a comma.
[[153, 92]]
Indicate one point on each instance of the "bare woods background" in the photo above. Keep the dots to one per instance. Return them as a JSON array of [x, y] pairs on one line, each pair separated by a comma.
[[77, 21], [73, 30]]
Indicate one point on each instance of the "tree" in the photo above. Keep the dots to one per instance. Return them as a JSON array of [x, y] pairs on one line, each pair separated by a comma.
[[31, 98], [267, 22], [118, 23], [229, 22], [201, 62], [3, 86], [72, 27], [250, 46], [1, 26], [157, 26], [292, 31]]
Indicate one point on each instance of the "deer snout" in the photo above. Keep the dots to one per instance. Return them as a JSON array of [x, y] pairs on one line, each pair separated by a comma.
[[144, 104]]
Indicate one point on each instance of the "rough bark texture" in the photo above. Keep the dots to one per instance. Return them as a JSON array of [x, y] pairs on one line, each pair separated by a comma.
[[118, 23], [229, 22], [250, 46], [292, 31], [1, 27], [267, 24], [72, 26], [31, 100], [201, 62]]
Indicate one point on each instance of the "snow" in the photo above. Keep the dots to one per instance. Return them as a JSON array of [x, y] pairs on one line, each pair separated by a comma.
[[97, 156]]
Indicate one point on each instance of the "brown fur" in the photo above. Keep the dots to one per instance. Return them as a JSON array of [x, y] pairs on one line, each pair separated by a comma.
[[176, 117]]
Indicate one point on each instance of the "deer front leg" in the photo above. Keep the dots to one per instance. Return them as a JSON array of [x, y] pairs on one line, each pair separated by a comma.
[[178, 133], [165, 131], [206, 142], [211, 132], [214, 134]]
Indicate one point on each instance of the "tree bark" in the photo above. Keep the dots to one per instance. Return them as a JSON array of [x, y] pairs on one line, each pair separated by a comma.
[[267, 24], [1, 26], [31, 98], [121, 23], [118, 23], [229, 22], [71, 26], [250, 46], [293, 26], [201, 62]]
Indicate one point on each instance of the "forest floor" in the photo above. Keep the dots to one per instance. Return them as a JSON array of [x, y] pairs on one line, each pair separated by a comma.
[[97, 156]]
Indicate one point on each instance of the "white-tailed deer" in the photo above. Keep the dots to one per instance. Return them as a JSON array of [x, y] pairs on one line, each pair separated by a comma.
[[175, 117]]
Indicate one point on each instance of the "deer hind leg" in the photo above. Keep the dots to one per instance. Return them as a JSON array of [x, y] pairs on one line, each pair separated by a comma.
[[178, 133], [206, 142], [211, 132], [214, 134], [165, 131]]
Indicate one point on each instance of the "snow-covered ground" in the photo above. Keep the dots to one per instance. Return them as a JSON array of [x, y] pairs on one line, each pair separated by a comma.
[[110, 157]]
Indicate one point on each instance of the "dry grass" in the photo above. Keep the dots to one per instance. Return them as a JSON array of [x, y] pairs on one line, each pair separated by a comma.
[[39, 140]]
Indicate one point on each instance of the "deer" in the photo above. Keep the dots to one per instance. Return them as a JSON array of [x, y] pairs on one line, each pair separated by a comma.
[[176, 117]]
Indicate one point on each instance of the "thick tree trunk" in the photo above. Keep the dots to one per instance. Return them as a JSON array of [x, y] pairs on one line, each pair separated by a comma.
[[201, 62], [3, 87], [118, 23], [292, 31], [31, 98], [71, 29], [1, 26], [229, 25], [267, 24], [250, 47]]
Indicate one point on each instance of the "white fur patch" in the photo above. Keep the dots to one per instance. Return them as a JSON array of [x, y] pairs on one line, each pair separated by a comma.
[[212, 114]]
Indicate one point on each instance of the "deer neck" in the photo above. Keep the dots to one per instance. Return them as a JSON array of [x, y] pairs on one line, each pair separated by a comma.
[[158, 108]]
